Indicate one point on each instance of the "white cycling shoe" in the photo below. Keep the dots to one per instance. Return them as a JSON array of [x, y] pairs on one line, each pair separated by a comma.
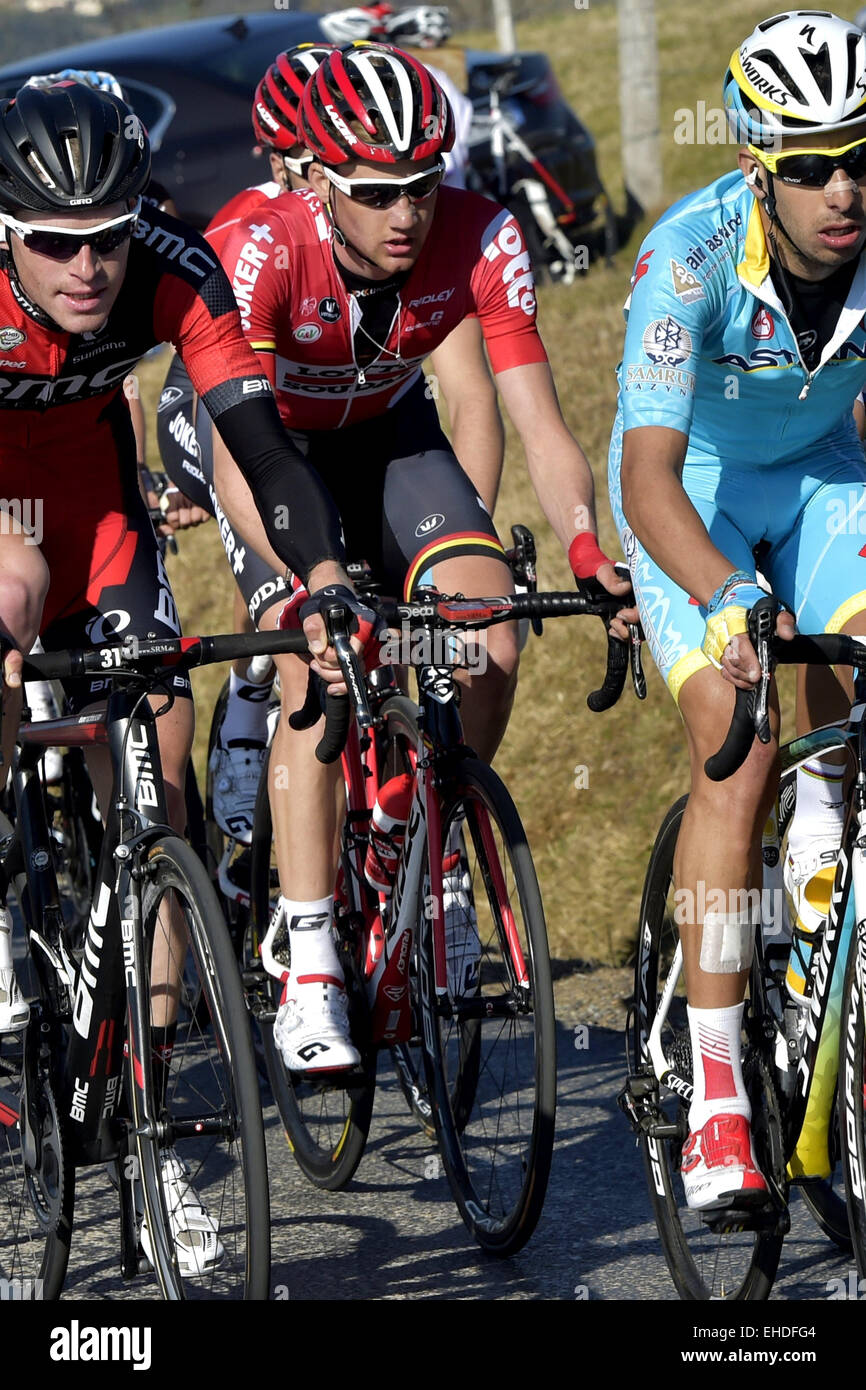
[[14, 1011], [196, 1235], [311, 1029], [462, 945], [719, 1168], [236, 772]]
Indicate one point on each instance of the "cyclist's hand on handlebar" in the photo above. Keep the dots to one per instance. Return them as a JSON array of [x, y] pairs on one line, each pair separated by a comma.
[[726, 641], [179, 512], [589, 562], [12, 660], [366, 628]]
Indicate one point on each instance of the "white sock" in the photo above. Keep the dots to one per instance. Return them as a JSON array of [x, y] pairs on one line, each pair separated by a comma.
[[311, 940], [820, 810], [246, 716], [718, 1073]]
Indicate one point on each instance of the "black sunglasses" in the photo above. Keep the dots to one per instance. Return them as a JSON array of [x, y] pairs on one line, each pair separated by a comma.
[[60, 245], [816, 170], [374, 193]]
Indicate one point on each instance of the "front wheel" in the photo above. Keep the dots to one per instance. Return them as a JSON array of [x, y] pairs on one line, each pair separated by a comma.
[[490, 1040], [726, 1255], [207, 1147]]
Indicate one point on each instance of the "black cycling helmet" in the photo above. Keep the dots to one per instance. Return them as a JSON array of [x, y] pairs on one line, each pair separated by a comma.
[[68, 146]]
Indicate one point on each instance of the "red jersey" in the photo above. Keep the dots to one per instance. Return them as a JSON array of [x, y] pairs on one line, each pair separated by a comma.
[[299, 316], [236, 210]]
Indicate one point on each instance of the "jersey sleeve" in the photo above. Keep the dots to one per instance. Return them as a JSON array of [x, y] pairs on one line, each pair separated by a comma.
[[503, 295], [667, 314], [256, 256]]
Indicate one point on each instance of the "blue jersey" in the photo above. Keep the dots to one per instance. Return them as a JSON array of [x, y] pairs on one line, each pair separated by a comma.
[[709, 349]]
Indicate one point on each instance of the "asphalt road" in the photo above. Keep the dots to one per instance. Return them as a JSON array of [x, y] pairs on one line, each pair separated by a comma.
[[395, 1232]]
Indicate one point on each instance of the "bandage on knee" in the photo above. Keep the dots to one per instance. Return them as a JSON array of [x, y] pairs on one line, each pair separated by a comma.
[[728, 942]]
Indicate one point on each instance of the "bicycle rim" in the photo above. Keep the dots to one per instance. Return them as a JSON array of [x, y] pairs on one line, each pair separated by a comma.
[[491, 1047], [326, 1125], [208, 1104], [720, 1257]]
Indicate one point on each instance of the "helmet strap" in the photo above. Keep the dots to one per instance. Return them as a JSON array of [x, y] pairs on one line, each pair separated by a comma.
[[773, 214], [341, 238]]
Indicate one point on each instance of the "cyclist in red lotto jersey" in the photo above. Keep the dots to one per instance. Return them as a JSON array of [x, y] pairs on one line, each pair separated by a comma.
[[344, 291], [186, 447]]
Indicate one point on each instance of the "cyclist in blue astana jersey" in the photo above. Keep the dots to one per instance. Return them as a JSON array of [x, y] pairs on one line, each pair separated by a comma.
[[744, 350]]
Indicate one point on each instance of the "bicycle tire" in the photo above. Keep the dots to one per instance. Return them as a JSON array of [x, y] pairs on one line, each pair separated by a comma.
[[36, 1209], [211, 1079], [490, 1053], [398, 739], [852, 1121], [326, 1125], [705, 1261]]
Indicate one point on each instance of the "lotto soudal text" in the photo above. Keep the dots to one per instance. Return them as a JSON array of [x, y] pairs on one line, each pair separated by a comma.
[[82, 1343]]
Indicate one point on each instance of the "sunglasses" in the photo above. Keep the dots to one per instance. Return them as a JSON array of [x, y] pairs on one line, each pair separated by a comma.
[[814, 168], [383, 193], [61, 245]]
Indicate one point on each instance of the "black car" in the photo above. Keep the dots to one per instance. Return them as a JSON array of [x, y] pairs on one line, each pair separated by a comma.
[[192, 85]]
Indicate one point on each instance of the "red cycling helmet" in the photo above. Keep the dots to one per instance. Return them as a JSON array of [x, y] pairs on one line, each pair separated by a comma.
[[275, 104], [372, 102]]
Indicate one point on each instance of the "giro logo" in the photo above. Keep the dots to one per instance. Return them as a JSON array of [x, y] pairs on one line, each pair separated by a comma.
[[430, 523]]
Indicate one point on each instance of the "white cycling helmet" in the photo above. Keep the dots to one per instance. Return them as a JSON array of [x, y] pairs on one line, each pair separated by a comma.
[[361, 22], [423, 25], [97, 81], [800, 72]]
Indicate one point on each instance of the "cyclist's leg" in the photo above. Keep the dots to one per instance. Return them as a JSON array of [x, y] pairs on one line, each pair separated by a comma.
[[718, 865]]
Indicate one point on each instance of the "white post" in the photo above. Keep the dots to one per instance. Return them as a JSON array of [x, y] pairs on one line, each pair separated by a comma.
[[639, 101], [504, 26]]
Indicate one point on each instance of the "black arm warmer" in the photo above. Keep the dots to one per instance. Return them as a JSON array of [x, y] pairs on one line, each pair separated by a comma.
[[298, 512]]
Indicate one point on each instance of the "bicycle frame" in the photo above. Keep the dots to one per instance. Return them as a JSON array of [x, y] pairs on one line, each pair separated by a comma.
[[92, 995]]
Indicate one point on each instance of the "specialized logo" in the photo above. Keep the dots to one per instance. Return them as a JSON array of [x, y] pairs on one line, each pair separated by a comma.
[[11, 338], [10, 362], [430, 523], [687, 286], [667, 343], [307, 333], [642, 267], [329, 310], [762, 324], [762, 84], [169, 396], [516, 271]]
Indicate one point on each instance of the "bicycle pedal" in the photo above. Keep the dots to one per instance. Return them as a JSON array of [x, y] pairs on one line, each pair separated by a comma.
[[638, 1101], [766, 1218]]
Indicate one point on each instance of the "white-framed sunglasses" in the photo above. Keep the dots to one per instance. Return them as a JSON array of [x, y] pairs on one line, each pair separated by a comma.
[[297, 166], [383, 193], [61, 244]]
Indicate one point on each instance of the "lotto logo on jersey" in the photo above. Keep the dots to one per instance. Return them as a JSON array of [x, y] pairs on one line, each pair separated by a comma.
[[516, 270], [762, 324]]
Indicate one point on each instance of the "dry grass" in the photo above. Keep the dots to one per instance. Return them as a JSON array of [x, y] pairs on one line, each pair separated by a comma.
[[590, 844]]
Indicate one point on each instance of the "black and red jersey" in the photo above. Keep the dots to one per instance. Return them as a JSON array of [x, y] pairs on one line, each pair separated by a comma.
[[299, 316]]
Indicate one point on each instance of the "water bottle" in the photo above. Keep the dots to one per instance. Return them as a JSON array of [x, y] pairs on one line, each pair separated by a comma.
[[387, 829], [811, 916]]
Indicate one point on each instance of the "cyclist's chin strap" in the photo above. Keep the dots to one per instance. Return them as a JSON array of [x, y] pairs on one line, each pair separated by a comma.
[[340, 236], [776, 221]]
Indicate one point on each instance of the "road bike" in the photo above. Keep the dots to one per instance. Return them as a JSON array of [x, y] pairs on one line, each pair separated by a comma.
[[92, 1079], [804, 1064], [459, 987]]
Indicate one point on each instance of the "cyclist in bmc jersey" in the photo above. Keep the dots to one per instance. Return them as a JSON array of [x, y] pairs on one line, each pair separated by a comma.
[[745, 347], [344, 290], [185, 440], [88, 284]]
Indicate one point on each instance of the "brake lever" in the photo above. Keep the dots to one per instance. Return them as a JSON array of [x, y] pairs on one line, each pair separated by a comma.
[[338, 633], [762, 627], [638, 679]]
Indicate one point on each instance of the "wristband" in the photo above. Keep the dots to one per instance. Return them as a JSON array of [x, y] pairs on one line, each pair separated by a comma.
[[736, 577], [585, 557]]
